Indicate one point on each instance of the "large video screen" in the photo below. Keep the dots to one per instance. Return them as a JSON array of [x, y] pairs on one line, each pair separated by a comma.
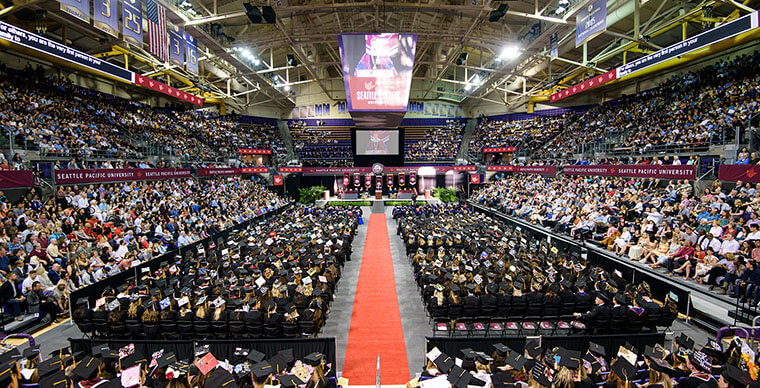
[[377, 70], [381, 142]]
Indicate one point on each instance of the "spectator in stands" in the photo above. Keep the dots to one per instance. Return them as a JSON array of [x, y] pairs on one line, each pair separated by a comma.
[[11, 297]]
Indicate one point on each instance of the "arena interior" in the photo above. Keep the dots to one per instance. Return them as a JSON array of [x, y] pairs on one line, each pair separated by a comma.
[[401, 193]]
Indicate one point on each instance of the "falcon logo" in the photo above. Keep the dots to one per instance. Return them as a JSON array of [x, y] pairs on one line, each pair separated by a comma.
[[369, 85], [751, 172]]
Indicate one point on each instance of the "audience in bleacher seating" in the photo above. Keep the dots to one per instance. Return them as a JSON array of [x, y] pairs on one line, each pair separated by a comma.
[[58, 119], [469, 265], [433, 143], [274, 279], [524, 135], [688, 112], [710, 237], [86, 233], [321, 146]]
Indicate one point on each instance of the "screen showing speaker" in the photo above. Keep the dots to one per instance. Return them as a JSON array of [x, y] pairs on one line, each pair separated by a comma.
[[377, 142], [377, 70]]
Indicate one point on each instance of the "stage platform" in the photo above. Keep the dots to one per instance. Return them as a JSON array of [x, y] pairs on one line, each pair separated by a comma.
[[373, 200]]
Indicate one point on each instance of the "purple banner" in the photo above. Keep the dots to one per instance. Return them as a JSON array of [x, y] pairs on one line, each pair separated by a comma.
[[105, 17], [354, 170], [176, 46], [739, 172], [19, 178], [80, 9], [218, 171], [634, 171], [69, 177], [548, 170], [131, 14]]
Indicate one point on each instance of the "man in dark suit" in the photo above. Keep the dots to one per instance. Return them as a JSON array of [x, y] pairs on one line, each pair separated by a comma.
[[11, 297], [599, 311]]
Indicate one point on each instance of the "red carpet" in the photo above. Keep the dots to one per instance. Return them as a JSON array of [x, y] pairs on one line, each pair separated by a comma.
[[376, 320]]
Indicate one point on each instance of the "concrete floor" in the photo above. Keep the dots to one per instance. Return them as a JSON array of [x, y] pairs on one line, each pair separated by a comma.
[[413, 318]]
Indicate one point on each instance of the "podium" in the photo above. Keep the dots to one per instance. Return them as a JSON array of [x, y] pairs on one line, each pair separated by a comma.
[[378, 194]]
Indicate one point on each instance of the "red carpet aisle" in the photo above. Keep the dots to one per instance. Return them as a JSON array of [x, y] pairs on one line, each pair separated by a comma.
[[376, 321]]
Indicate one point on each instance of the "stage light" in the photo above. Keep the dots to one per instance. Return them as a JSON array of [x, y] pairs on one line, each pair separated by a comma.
[[467, 87], [564, 2], [509, 53], [247, 54], [560, 10], [286, 88]]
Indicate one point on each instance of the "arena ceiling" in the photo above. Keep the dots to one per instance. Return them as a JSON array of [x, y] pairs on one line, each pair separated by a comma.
[[507, 62]]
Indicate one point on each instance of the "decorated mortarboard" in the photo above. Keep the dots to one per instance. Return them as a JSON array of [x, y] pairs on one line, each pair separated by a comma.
[[596, 349], [737, 376], [516, 360], [542, 374], [241, 352], [220, 378], [683, 340], [262, 370], [590, 361], [661, 366], [86, 368], [624, 369], [501, 349], [702, 361], [290, 381], [713, 349]]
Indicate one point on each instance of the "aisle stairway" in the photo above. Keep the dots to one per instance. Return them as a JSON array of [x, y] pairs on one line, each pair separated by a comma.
[[466, 136]]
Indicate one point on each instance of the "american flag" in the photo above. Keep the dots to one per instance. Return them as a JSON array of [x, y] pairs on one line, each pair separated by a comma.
[[157, 43]]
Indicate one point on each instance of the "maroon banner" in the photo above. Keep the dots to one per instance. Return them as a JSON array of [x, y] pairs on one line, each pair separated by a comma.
[[379, 182], [254, 151], [277, 180], [474, 179], [218, 171], [290, 169], [401, 179], [17, 178], [585, 85], [356, 180], [368, 180], [389, 180], [739, 172], [254, 170], [346, 179], [395, 170], [68, 177], [635, 171], [412, 178], [493, 150], [547, 170], [166, 89]]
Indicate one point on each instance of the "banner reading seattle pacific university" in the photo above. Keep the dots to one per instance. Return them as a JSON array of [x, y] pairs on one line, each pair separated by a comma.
[[176, 46], [132, 19], [635, 171], [95, 175], [590, 22], [80, 9], [377, 70], [105, 16]]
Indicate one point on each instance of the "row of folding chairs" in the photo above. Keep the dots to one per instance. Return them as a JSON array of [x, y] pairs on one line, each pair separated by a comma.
[[182, 329]]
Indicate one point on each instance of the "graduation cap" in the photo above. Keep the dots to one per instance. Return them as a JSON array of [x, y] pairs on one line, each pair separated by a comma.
[[12, 354], [290, 380], [713, 349], [683, 340], [570, 359], [86, 368], [592, 361], [502, 380], [596, 349], [516, 360], [737, 376], [468, 353], [53, 380], [262, 370], [501, 349], [132, 360], [661, 366], [32, 352], [624, 369], [314, 359], [653, 353], [461, 378], [483, 358], [255, 356], [444, 363], [221, 378], [702, 361], [166, 359], [533, 347], [542, 374]]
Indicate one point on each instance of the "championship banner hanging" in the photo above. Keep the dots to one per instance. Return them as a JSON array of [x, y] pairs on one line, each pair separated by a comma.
[[356, 180], [412, 178], [379, 182], [346, 179], [368, 180], [77, 8], [401, 179], [105, 18], [389, 180], [131, 14]]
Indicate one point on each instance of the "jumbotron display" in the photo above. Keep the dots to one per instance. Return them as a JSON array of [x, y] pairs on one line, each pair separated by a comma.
[[377, 142], [377, 70]]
